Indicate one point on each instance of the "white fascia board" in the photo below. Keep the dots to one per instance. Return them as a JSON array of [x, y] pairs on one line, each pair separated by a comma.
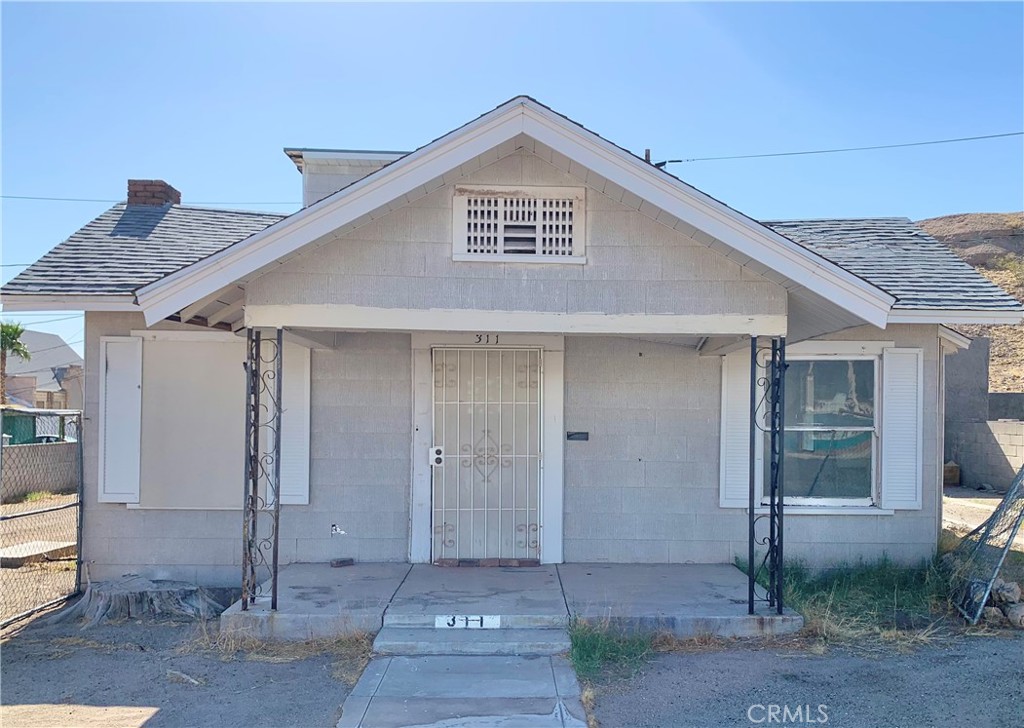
[[367, 318], [324, 156], [48, 302], [954, 339], [714, 218], [171, 294], [167, 296], [944, 316]]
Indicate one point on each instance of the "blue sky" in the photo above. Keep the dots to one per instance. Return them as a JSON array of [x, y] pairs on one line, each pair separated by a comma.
[[205, 96]]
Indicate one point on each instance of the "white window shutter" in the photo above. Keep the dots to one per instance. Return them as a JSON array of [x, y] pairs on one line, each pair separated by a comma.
[[902, 423], [734, 487], [120, 418], [295, 426]]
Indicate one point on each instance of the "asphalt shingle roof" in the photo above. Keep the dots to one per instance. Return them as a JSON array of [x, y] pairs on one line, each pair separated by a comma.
[[126, 248], [895, 255], [130, 246]]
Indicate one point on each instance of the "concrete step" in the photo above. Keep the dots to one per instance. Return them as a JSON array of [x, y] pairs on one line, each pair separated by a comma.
[[543, 620], [430, 641]]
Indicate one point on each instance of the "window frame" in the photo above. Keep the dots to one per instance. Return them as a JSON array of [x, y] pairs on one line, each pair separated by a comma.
[[818, 351], [460, 209]]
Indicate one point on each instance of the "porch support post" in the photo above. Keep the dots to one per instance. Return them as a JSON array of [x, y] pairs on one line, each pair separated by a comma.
[[753, 472], [278, 404], [264, 380], [250, 493], [782, 461]]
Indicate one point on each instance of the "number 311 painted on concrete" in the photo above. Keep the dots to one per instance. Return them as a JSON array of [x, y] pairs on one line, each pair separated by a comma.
[[486, 339]]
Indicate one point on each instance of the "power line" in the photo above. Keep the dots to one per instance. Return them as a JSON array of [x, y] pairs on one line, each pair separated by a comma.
[[657, 164], [845, 149], [15, 265], [90, 199], [47, 321], [66, 344]]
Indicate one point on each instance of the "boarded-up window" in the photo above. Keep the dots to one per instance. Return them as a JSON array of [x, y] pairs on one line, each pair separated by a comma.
[[193, 429]]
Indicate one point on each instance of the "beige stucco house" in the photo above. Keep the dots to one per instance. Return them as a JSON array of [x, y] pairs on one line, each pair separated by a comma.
[[517, 342]]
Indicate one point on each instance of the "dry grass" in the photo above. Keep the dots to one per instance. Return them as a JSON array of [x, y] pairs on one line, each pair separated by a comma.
[[588, 696], [668, 642], [349, 653]]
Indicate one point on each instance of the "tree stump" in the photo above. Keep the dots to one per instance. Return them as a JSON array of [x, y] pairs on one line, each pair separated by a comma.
[[134, 597]]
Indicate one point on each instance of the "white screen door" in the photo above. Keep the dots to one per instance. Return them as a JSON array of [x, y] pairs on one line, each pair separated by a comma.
[[486, 478]]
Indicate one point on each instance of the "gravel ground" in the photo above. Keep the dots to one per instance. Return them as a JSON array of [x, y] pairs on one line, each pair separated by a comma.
[[967, 681], [117, 675]]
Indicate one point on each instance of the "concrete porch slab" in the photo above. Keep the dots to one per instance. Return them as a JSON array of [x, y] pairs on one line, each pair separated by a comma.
[[685, 599], [525, 597], [315, 600]]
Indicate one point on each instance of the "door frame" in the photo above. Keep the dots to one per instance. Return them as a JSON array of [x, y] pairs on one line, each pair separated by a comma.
[[550, 506]]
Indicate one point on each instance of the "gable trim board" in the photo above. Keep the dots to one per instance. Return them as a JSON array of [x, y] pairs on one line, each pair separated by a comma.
[[72, 302], [412, 174], [368, 318], [944, 316]]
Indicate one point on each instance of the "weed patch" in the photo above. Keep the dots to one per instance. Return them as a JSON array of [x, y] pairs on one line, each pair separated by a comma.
[[597, 649], [869, 604]]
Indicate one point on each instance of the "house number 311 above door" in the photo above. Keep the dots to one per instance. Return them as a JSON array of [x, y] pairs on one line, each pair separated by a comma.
[[486, 339]]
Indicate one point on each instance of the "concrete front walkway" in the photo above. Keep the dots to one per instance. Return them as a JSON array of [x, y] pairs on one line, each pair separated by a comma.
[[686, 599], [465, 692]]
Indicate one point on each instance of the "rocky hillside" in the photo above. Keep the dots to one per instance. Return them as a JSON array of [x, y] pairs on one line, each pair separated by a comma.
[[994, 244]]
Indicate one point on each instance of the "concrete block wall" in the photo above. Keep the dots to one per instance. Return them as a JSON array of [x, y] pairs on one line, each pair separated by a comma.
[[645, 487], [635, 265], [359, 474], [989, 452], [203, 546], [42, 467], [361, 424], [967, 398], [1006, 405]]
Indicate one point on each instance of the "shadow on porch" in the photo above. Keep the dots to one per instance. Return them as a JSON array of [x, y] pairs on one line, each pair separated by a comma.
[[316, 600]]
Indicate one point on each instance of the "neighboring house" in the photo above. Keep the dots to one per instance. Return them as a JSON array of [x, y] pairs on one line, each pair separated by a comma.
[[516, 280], [51, 379]]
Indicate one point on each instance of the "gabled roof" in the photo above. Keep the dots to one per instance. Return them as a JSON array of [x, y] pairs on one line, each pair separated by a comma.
[[129, 246], [421, 171], [171, 257], [899, 257]]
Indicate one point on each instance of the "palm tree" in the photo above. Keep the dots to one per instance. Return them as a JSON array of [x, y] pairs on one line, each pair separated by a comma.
[[10, 343]]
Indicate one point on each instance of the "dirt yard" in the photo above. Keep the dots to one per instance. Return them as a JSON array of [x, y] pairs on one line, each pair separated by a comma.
[[165, 674], [32, 584], [969, 681]]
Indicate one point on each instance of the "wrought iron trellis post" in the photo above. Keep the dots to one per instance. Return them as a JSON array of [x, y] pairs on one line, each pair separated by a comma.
[[264, 383], [767, 399]]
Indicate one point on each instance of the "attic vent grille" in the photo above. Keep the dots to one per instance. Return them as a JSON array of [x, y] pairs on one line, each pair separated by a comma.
[[522, 224]]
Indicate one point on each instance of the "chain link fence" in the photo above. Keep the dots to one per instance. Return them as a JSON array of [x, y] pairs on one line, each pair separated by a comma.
[[975, 563], [40, 510]]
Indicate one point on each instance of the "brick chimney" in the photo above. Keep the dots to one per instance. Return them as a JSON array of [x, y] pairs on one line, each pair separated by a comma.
[[152, 192]]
